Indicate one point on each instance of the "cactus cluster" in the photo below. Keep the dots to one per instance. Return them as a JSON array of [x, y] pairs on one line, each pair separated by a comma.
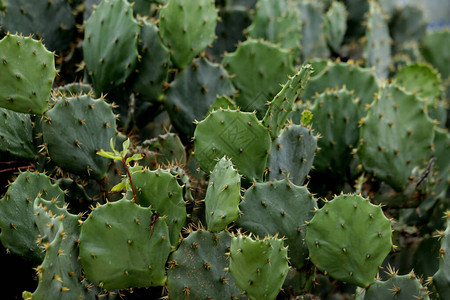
[[225, 149]]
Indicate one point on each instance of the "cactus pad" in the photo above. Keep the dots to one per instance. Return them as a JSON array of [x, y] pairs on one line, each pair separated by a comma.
[[16, 134], [442, 277]]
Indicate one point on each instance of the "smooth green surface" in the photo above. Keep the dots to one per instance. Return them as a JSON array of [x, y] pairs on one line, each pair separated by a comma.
[[16, 134]]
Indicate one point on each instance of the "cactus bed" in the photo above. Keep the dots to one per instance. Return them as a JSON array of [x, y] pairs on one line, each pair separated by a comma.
[[252, 149]]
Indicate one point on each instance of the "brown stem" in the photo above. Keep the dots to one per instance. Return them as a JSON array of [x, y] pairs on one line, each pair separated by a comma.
[[16, 168], [131, 181]]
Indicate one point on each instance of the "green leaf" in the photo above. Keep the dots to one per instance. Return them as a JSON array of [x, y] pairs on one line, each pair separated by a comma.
[[125, 147], [110, 155], [135, 157], [119, 187]]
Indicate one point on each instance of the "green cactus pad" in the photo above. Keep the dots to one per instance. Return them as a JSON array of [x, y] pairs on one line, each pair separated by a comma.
[[237, 135], [192, 92], [442, 277], [434, 48], [335, 25], [19, 231], [222, 102], [335, 118], [397, 287], [120, 246], [348, 238], [197, 268], [292, 154], [160, 191], [28, 71], [74, 89], [16, 134], [110, 45], [258, 68], [421, 80], [281, 208], [53, 21], [60, 273], [187, 28], [153, 67], [222, 196], [75, 129], [359, 81], [282, 103], [168, 148], [277, 21], [408, 24], [259, 267], [377, 50], [396, 136]]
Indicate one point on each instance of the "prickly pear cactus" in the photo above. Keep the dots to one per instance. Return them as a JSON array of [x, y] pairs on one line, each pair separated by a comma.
[[197, 268], [121, 246], [110, 45], [442, 277], [28, 71], [396, 136], [237, 135], [335, 25], [259, 267], [433, 48], [222, 196], [292, 154], [16, 134], [279, 207], [331, 233], [168, 148], [160, 191], [187, 28], [75, 129], [19, 231]]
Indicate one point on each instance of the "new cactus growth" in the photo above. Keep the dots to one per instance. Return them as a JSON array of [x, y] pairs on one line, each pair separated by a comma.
[[331, 235]]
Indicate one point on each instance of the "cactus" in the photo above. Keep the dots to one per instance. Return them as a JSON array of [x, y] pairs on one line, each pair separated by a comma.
[[258, 68], [197, 268], [110, 44], [277, 21], [19, 231], [433, 48], [282, 208], [168, 149], [187, 28], [292, 154], [331, 233], [28, 71], [74, 89], [193, 91], [377, 50], [75, 129], [259, 267], [222, 196], [16, 134], [153, 67], [53, 21], [396, 136], [122, 246], [335, 25], [282, 103], [442, 277], [222, 102], [237, 135], [408, 24], [161, 191]]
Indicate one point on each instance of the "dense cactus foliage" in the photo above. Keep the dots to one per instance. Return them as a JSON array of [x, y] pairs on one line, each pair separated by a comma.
[[225, 149]]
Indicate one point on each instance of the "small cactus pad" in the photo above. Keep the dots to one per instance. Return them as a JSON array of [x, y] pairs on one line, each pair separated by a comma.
[[442, 277], [160, 191], [408, 24], [197, 268], [28, 71], [16, 134], [192, 92], [335, 25], [239, 136], [282, 103], [378, 42], [259, 267], [258, 68], [121, 246], [168, 148], [75, 129], [222, 102], [110, 45], [348, 238], [187, 28], [153, 67], [396, 136], [335, 118], [434, 48], [292, 154], [222, 196], [277, 21], [281, 208], [19, 231], [397, 287]]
